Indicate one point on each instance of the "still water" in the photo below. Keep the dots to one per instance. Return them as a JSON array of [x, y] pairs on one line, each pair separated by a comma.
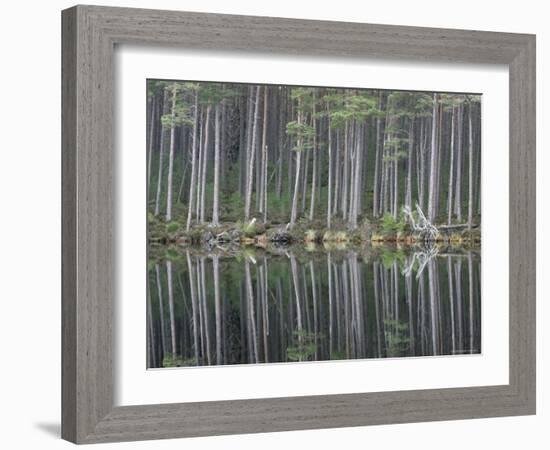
[[298, 304]]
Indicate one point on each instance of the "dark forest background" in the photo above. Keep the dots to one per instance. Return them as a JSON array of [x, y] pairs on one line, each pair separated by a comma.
[[222, 153]]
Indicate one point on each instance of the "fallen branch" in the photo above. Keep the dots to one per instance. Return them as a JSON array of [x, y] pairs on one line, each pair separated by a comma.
[[457, 225], [423, 227]]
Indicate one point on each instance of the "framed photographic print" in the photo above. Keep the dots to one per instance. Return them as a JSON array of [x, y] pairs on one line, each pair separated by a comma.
[[267, 222]]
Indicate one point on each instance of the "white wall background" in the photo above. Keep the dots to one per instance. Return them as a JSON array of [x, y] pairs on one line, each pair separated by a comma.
[[30, 223]]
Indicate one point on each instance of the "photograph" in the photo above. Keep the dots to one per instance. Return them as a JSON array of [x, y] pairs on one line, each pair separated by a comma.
[[251, 225], [291, 224]]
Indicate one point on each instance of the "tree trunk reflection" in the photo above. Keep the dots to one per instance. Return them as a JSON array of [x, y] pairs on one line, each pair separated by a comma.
[[298, 306]]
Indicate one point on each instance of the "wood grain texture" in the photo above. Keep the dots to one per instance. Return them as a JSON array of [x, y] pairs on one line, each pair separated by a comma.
[[522, 283], [68, 224], [87, 239], [89, 36]]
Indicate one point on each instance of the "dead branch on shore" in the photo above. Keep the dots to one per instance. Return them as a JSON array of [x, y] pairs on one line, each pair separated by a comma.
[[423, 226]]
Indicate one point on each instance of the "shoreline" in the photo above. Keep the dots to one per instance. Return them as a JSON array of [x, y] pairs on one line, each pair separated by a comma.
[[257, 234]]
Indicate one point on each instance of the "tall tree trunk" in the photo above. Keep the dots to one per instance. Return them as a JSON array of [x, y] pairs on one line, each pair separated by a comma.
[[294, 211], [440, 137], [281, 144], [199, 166], [245, 116], [215, 207], [352, 162], [169, 188], [336, 174], [470, 168], [290, 153], [422, 158], [330, 163], [320, 164], [433, 162], [477, 159], [451, 169], [259, 169], [205, 164], [265, 183], [161, 154], [252, 152], [305, 177], [193, 162], [408, 194], [344, 205], [314, 174], [224, 160], [182, 182], [152, 118], [395, 183], [263, 199], [376, 184], [387, 189], [458, 181], [357, 175]]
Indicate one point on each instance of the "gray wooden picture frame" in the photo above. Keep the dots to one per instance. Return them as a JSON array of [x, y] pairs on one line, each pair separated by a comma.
[[89, 36]]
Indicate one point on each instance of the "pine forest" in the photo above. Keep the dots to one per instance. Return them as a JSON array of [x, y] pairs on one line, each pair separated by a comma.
[[291, 223]]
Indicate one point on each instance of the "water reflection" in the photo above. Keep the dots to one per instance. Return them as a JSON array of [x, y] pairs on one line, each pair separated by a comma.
[[290, 305]]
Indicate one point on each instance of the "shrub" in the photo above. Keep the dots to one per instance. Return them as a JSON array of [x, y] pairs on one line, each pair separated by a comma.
[[391, 225], [341, 236], [172, 227], [305, 346], [311, 236], [328, 236], [171, 361], [248, 228]]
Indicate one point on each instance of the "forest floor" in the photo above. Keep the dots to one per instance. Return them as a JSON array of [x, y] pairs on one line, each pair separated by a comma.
[[309, 233]]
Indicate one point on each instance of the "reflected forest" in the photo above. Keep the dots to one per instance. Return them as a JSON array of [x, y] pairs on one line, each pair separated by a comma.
[[291, 224]]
